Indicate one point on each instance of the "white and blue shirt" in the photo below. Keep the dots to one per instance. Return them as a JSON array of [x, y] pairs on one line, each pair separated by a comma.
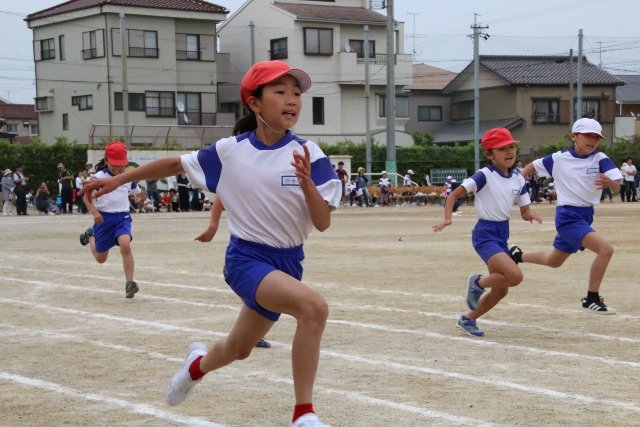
[[495, 193], [117, 200], [574, 175], [258, 184]]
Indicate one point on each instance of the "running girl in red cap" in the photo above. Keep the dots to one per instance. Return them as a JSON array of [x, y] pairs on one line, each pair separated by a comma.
[[276, 188], [111, 217], [496, 190]]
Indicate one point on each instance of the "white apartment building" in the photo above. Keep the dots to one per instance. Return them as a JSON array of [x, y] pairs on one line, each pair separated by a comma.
[[325, 38], [171, 61]]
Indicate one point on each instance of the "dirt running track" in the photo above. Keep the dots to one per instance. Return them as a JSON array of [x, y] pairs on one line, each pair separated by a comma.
[[74, 352]]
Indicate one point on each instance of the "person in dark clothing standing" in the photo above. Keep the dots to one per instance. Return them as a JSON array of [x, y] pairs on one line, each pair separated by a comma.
[[152, 192], [183, 192], [21, 191], [65, 179]]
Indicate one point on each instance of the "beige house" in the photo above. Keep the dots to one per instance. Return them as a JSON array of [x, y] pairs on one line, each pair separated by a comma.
[[531, 96], [326, 39], [171, 61], [429, 107], [18, 122]]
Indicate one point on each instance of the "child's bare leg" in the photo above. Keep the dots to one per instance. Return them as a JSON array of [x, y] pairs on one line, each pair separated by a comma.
[[282, 293], [553, 258], [503, 274], [246, 332], [100, 257], [124, 241], [604, 252]]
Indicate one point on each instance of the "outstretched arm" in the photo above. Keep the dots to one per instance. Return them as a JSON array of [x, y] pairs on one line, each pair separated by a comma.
[[528, 171], [214, 221], [458, 193], [156, 169]]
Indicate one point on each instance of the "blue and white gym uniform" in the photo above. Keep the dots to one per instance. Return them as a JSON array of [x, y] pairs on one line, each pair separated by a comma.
[[267, 214], [495, 195], [574, 177], [114, 208]]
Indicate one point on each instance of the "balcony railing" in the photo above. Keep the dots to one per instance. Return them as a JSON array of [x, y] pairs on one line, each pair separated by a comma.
[[143, 52], [89, 53], [378, 58], [188, 55], [197, 119], [160, 112]]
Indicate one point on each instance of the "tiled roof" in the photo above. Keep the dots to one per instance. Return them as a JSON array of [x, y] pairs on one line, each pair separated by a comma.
[[426, 77], [18, 111], [312, 12], [73, 5], [463, 131], [630, 92], [545, 70]]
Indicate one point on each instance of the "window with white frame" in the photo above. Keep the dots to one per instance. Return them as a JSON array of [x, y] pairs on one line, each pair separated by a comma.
[[12, 127], [93, 44], [47, 49]]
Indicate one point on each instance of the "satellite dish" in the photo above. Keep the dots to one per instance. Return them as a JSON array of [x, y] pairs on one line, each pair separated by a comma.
[[180, 107], [347, 47]]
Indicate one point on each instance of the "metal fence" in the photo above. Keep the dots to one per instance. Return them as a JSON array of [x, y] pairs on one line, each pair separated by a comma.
[[157, 136]]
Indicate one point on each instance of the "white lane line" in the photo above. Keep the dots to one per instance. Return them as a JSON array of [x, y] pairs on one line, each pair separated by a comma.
[[466, 340], [402, 367], [357, 397], [137, 408], [619, 317]]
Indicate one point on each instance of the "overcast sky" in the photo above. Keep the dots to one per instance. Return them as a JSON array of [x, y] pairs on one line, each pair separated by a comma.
[[437, 30]]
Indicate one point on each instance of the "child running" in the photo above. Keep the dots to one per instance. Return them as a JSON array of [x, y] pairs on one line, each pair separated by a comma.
[[496, 190], [276, 187], [111, 217], [209, 233], [580, 173]]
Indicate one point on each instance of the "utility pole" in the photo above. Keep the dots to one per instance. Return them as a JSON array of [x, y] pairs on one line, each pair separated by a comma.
[[579, 77], [367, 121], [477, 33], [571, 110], [125, 83], [252, 41], [391, 164], [414, 33]]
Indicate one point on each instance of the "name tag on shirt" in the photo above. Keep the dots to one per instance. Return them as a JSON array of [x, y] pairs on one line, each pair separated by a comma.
[[289, 181], [592, 171]]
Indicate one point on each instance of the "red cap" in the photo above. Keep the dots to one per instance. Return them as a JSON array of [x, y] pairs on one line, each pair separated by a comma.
[[265, 72], [116, 153], [497, 137]]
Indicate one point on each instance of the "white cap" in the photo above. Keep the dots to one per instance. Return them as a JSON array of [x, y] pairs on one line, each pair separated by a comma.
[[449, 177], [383, 172], [586, 125], [551, 184], [453, 180], [410, 171]]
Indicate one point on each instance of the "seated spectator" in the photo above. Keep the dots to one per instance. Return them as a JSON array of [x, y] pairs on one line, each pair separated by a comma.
[[550, 192], [42, 199], [207, 205]]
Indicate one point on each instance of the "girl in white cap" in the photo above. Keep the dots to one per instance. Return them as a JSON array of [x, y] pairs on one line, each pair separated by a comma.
[[276, 188], [579, 174]]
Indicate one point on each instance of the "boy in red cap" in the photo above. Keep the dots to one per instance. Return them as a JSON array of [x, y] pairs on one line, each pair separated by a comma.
[[112, 220], [276, 187], [579, 174], [496, 190]]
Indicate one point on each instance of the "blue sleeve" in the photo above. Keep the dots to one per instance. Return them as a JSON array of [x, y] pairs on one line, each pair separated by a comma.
[[480, 180], [606, 165], [547, 162], [211, 166], [322, 171]]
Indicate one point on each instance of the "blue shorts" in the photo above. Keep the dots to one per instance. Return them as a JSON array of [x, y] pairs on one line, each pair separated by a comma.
[[572, 224], [247, 263], [490, 238], [115, 225]]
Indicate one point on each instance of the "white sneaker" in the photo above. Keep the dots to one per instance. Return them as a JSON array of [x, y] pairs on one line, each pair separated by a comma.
[[181, 383], [309, 420]]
